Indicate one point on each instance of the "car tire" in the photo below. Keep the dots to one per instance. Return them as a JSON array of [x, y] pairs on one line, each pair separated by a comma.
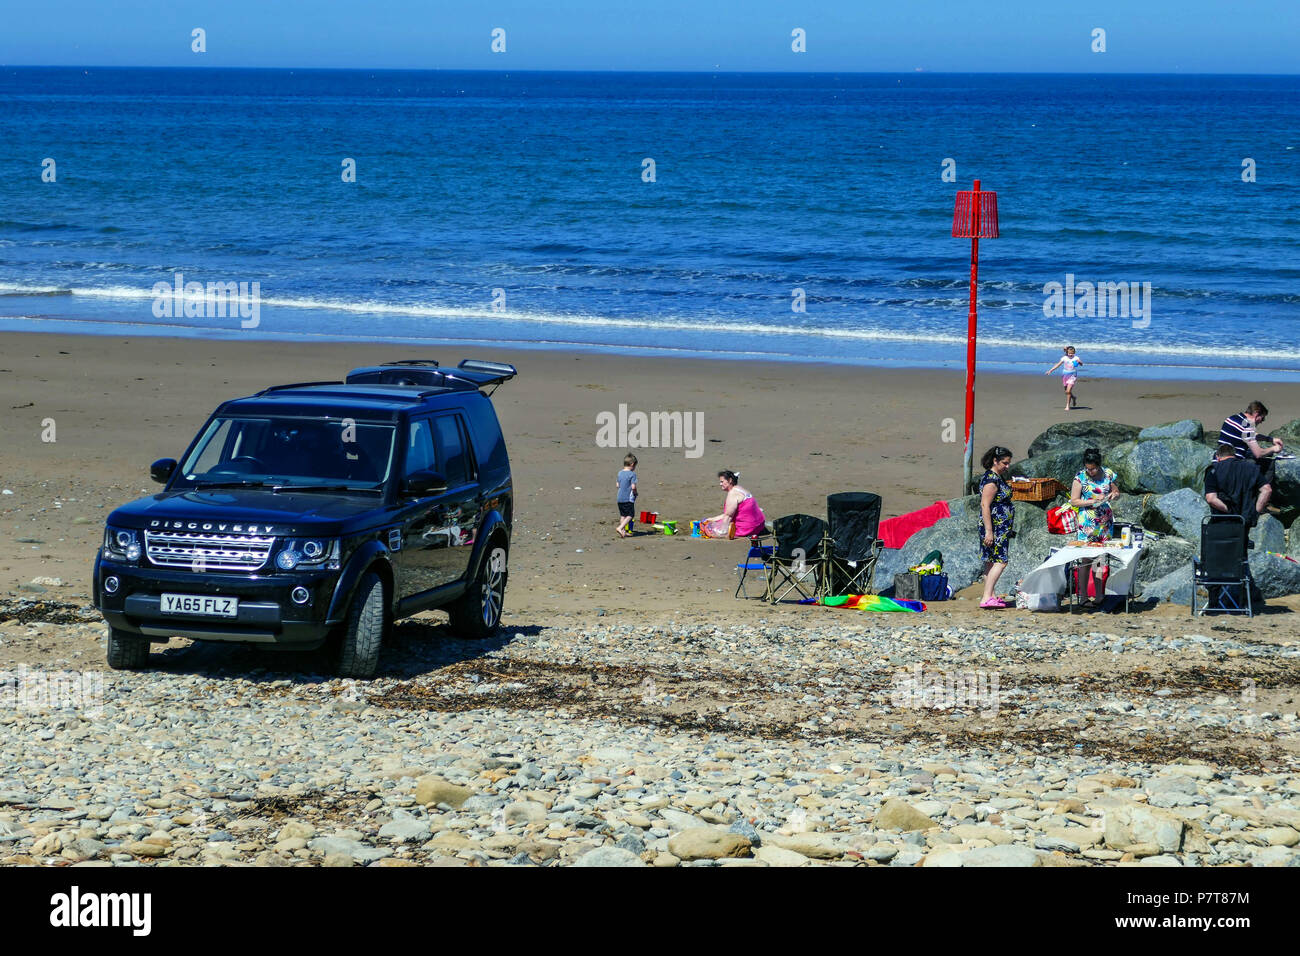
[[477, 614], [125, 652], [363, 631]]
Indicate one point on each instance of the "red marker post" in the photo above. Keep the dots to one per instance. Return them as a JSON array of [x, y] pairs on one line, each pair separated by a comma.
[[974, 217]]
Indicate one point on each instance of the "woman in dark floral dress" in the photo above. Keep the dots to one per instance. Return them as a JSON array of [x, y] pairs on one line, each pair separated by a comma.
[[997, 516]]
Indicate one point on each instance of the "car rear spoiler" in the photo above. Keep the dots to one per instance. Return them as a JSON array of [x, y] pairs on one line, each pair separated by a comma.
[[486, 373]]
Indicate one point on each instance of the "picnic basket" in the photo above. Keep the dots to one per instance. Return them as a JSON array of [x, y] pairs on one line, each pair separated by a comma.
[[1034, 489]]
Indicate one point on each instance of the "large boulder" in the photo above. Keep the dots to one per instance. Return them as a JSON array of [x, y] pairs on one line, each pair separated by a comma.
[[1178, 513], [1294, 548], [1274, 576], [1289, 433], [1187, 428], [1269, 535], [1158, 466], [1076, 436], [1062, 464], [1174, 588], [1286, 492], [957, 537], [1161, 557]]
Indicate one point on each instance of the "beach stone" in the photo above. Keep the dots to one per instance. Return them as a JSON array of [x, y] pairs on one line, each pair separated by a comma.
[[1178, 513], [435, 790], [1187, 428], [1000, 856], [525, 811], [818, 846], [1136, 824], [296, 830], [1079, 435], [677, 820], [707, 844], [1159, 466], [353, 850], [900, 815], [143, 848], [1275, 856], [1274, 576], [780, 856], [405, 829], [609, 856], [1275, 836]]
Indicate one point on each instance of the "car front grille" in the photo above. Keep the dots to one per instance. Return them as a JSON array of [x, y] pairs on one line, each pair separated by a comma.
[[207, 552]]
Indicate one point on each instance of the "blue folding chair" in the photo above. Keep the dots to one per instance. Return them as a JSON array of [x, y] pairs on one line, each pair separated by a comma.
[[758, 559]]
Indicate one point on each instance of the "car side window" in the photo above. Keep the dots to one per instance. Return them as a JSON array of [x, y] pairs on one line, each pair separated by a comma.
[[450, 443], [419, 448]]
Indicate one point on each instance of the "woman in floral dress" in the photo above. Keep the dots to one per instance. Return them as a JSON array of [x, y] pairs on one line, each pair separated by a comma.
[[1091, 493], [997, 516]]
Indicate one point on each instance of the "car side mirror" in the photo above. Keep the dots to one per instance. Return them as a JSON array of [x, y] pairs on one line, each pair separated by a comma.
[[421, 483], [161, 470]]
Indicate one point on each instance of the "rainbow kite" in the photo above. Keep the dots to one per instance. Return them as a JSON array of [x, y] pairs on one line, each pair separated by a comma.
[[867, 602]]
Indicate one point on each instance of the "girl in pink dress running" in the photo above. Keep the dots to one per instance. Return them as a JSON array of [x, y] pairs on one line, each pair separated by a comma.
[[1069, 365]]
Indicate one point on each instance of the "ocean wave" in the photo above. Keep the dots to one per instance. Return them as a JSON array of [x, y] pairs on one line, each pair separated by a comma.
[[711, 325]]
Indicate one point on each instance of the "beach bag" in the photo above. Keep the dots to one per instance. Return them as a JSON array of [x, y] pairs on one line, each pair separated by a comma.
[[1062, 520], [910, 586], [907, 586], [934, 587], [1088, 581], [1038, 602]]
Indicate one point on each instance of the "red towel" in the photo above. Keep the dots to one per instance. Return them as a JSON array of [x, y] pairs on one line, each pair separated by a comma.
[[894, 532]]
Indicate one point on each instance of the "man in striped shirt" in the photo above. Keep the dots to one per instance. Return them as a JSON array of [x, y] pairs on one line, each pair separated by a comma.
[[1240, 432]]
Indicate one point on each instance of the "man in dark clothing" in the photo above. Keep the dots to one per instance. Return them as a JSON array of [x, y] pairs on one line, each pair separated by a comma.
[[1239, 432], [1235, 486]]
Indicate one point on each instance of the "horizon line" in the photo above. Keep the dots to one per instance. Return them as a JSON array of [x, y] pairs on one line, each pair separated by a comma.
[[426, 69]]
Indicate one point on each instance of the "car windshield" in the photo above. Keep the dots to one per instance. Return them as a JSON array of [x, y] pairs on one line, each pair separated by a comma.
[[291, 452]]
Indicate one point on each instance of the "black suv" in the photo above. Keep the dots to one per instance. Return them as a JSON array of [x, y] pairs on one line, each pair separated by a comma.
[[317, 513]]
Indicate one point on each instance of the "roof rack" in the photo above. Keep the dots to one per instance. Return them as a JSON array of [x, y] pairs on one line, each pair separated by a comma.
[[281, 388], [471, 374]]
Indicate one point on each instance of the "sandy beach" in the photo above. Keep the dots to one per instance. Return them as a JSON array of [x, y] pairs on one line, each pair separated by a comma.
[[795, 432]]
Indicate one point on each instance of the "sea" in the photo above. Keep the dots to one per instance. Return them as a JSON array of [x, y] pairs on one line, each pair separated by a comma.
[[722, 216]]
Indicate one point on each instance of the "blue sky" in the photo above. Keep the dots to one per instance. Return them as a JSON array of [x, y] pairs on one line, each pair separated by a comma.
[[1142, 36]]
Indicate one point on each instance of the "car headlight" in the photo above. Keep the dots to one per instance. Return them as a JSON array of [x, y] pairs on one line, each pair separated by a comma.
[[311, 553], [122, 544]]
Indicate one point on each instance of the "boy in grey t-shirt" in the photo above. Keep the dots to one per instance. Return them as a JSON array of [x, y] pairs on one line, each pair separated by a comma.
[[626, 481]]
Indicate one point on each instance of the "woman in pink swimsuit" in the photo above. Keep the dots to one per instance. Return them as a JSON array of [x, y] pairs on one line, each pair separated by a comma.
[[740, 516]]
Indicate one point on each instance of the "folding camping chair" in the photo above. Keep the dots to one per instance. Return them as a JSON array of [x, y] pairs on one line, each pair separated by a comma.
[[757, 560], [797, 562], [1222, 570], [852, 546]]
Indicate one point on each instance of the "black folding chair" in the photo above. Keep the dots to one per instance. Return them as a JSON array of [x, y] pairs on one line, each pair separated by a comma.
[[1222, 572], [796, 564], [852, 544]]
